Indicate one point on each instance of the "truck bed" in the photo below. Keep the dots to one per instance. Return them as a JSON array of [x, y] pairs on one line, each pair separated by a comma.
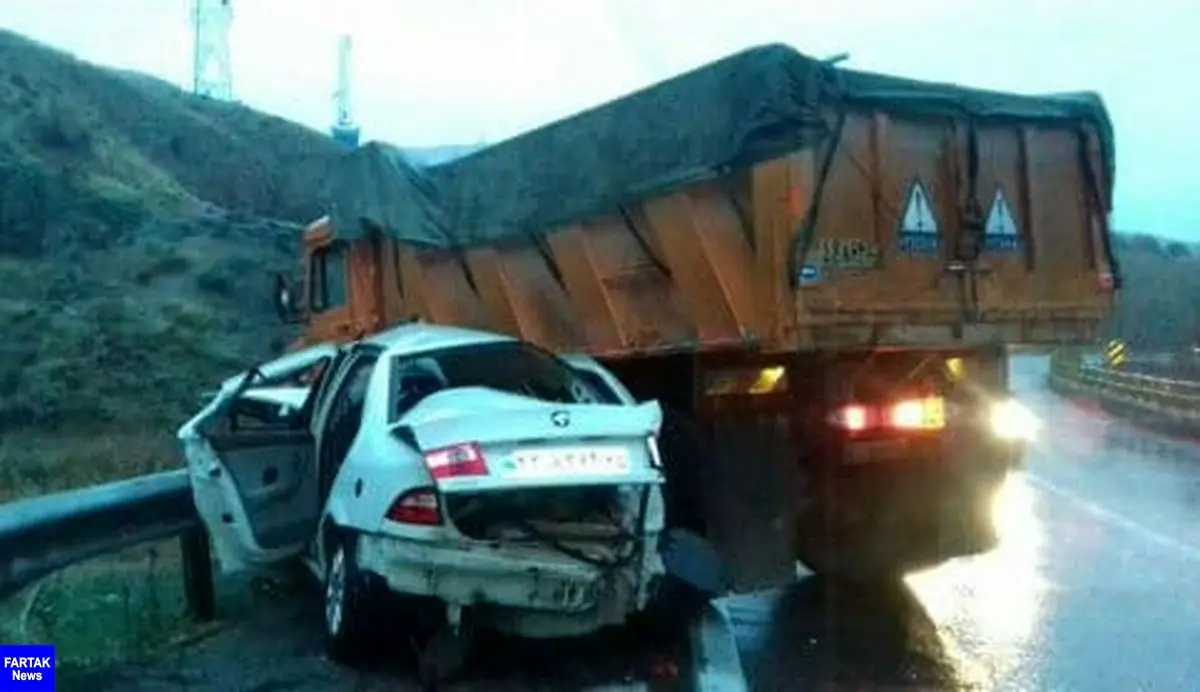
[[766, 200]]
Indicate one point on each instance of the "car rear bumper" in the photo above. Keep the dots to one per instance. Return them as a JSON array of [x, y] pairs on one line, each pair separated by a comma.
[[529, 590]]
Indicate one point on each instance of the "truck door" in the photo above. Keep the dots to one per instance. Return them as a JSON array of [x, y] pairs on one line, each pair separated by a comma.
[[329, 291], [905, 201], [1044, 225]]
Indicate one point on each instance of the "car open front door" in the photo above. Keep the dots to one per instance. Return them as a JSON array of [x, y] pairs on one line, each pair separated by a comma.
[[250, 457]]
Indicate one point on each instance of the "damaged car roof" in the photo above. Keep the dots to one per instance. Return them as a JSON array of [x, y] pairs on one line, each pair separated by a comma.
[[422, 336]]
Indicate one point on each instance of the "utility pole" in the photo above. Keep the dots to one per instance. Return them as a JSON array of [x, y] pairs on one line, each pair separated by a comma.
[[212, 74], [344, 130]]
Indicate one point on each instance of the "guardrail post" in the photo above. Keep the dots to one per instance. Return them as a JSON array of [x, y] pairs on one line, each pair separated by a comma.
[[197, 574]]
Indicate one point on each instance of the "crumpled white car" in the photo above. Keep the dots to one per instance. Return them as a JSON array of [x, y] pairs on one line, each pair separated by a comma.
[[499, 484]]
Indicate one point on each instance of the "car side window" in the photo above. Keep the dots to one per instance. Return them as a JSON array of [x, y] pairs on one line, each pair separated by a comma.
[[328, 279]]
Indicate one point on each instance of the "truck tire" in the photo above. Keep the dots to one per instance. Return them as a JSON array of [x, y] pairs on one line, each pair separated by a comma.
[[686, 464]]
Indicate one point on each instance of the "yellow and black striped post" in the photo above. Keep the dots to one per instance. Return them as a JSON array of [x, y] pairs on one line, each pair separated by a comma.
[[1116, 353]]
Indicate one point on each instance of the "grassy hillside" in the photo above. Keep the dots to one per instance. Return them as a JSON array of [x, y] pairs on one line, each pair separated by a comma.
[[139, 227], [139, 224]]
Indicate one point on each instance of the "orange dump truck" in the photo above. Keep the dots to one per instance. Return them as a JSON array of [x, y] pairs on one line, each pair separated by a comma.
[[817, 272]]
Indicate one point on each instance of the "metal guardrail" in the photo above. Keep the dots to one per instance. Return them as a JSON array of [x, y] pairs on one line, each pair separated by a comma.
[[44, 534], [1177, 400]]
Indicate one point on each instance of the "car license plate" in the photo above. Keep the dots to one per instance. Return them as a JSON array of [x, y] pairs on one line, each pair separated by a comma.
[[578, 461]]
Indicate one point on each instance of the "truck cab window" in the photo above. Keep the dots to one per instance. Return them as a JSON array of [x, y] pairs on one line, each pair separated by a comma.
[[329, 278]]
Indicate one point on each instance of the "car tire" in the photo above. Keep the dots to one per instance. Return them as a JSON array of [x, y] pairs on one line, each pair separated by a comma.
[[349, 602]]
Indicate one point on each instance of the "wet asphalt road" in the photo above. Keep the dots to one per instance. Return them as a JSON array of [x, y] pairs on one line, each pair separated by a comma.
[[1096, 587]]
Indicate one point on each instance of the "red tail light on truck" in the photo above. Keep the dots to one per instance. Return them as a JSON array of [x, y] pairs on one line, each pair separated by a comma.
[[923, 414]]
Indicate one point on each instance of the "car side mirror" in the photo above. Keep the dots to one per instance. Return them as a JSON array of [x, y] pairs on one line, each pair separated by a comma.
[[285, 301]]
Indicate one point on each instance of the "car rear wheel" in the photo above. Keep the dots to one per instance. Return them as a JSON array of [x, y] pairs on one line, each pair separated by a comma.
[[348, 602]]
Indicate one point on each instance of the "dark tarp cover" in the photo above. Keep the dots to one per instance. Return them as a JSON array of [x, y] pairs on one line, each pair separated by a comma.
[[750, 107]]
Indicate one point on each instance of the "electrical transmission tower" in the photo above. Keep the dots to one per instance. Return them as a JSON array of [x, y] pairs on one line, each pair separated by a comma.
[[212, 74], [344, 130]]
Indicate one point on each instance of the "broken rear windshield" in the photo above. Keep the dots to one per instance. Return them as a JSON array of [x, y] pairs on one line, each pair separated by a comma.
[[508, 367]]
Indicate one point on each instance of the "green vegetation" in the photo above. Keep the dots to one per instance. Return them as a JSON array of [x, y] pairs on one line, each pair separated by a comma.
[[102, 611], [138, 230], [128, 609], [1159, 308]]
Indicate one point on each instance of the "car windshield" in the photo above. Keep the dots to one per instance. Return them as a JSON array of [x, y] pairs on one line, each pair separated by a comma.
[[507, 366]]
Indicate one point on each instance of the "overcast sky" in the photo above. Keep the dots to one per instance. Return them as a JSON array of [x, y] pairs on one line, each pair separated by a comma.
[[461, 71]]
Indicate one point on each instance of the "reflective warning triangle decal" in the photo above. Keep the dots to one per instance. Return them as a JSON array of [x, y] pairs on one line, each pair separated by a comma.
[[918, 213], [1000, 230], [918, 232], [999, 219]]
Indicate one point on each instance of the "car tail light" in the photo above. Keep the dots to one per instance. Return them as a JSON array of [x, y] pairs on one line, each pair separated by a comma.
[[908, 414], [457, 461], [916, 414], [419, 506], [853, 417]]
